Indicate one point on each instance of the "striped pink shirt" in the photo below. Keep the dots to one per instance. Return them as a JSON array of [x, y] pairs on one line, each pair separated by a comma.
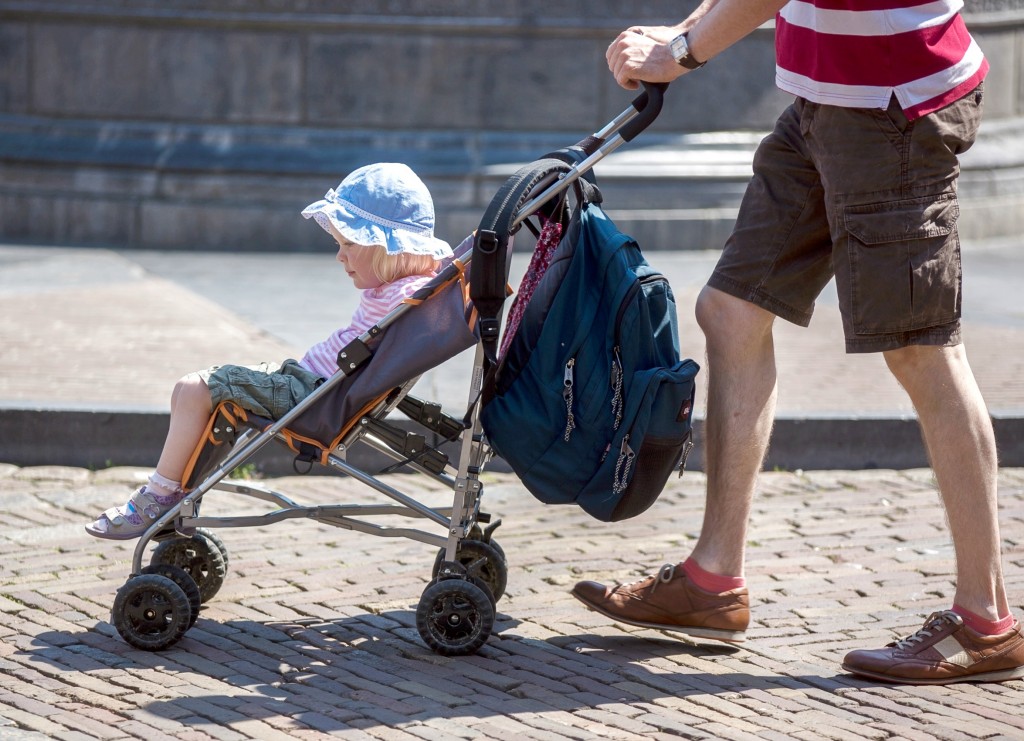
[[858, 53], [374, 305]]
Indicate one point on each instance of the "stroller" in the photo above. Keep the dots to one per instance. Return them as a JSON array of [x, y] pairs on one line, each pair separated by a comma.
[[458, 309]]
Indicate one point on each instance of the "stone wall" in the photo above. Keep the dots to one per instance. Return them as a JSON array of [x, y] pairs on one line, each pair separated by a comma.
[[209, 125]]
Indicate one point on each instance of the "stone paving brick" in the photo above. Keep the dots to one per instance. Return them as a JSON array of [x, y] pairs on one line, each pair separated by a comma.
[[30, 721], [283, 651]]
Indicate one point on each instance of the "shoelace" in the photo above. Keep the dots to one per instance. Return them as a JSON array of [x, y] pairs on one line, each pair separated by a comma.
[[932, 624], [665, 574]]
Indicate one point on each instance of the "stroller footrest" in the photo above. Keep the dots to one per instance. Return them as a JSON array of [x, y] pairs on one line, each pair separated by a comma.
[[408, 444], [429, 415]]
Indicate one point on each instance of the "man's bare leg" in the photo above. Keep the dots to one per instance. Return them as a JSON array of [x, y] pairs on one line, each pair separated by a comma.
[[957, 431], [737, 428], [707, 597], [978, 640]]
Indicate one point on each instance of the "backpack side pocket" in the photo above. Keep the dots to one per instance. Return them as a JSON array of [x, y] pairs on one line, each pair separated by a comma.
[[650, 444]]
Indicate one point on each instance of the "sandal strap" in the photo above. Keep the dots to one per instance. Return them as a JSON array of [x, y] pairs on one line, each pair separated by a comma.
[[141, 503], [116, 516]]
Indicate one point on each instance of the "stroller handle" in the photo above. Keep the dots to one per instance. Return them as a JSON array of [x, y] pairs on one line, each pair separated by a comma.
[[648, 106], [625, 127]]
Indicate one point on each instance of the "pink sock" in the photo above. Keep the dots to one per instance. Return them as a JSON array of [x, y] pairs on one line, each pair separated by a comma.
[[711, 582], [982, 625]]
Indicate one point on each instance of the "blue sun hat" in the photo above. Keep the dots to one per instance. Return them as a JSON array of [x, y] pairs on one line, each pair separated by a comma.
[[385, 204]]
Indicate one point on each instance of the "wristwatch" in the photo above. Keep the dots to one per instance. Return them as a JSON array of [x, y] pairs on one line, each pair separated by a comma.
[[680, 49]]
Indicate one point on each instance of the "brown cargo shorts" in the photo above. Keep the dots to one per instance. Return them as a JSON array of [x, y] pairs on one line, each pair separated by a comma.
[[866, 196]]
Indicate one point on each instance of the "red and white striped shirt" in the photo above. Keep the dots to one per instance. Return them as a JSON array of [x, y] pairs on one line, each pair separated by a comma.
[[858, 53], [374, 305]]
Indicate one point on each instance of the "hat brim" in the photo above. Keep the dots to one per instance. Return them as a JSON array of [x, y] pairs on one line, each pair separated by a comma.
[[361, 231]]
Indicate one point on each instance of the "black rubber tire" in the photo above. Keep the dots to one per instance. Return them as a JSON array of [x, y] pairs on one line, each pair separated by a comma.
[[151, 612], [454, 617], [180, 577], [492, 571], [477, 533], [201, 559], [215, 539]]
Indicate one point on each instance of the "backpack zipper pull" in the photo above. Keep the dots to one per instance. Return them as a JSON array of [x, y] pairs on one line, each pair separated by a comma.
[[616, 382], [570, 419], [623, 466], [687, 447]]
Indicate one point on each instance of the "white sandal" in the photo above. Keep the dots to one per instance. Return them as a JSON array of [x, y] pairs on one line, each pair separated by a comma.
[[133, 518]]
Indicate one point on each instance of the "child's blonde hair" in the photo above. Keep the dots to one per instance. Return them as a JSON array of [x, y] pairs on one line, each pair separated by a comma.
[[390, 268]]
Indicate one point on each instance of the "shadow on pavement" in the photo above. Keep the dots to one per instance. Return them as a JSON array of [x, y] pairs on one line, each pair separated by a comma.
[[372, 670]]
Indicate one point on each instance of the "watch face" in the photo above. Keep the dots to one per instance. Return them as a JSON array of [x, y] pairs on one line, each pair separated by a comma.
[[681, 51], [679, 47]]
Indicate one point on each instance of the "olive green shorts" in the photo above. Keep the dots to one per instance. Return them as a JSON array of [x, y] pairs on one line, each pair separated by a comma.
[[268, 389], [868, 197]]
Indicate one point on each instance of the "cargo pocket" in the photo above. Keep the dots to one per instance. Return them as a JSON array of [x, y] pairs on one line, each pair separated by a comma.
[[252, 388], [904, 264]]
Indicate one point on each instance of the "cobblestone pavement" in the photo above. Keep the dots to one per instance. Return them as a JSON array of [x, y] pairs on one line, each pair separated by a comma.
[[313, 633]]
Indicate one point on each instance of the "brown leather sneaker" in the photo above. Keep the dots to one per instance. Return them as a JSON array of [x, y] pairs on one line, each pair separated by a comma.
[[670, 601], [942, 652]]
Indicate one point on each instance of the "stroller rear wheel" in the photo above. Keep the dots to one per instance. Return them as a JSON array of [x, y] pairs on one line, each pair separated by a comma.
[[151, 612], [454, 617], [201, 559], [215, 539], [485, 561]]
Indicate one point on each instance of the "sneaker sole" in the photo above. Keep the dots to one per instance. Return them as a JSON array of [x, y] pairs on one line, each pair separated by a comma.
[[726, 636], [119, 534], [999, 676]]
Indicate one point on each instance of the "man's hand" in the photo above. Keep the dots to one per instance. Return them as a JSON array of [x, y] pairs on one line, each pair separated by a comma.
[[642, 52], [634, 56]]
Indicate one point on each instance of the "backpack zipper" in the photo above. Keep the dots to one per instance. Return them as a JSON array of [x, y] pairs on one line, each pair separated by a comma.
[[618, 371], [628, 298], [567, 384], [687, 447], [623, 467], [616, 383]]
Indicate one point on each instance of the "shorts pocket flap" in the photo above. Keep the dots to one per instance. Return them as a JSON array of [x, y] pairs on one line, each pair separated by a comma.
[[915, 218]]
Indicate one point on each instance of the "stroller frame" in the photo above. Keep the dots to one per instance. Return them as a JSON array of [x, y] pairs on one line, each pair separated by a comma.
[[455, 615]]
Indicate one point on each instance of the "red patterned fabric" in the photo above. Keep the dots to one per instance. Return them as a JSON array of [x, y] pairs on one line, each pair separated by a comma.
[[550, 236]]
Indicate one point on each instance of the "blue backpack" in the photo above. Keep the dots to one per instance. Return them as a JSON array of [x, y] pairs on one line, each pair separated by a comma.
[[591, 403]]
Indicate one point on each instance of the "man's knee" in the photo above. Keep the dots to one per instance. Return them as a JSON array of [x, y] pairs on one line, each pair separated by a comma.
[[721, 316], [913, 360]]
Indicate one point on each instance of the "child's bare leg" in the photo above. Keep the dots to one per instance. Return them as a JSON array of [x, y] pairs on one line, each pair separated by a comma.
[[190, 414]]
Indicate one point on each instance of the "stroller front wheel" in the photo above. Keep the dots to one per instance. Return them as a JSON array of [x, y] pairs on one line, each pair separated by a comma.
[[151, 612], [454, 617], [188, 585]]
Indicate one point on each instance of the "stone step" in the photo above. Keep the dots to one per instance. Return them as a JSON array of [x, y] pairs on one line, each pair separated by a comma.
[[156, 185]]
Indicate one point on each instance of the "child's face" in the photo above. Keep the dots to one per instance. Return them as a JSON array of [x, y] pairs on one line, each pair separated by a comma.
[[358, 263]]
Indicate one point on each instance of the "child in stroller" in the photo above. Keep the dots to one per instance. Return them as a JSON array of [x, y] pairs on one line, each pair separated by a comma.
[[382, 217]]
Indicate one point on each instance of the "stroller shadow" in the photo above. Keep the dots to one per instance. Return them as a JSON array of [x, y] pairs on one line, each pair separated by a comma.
[[372, 670]]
